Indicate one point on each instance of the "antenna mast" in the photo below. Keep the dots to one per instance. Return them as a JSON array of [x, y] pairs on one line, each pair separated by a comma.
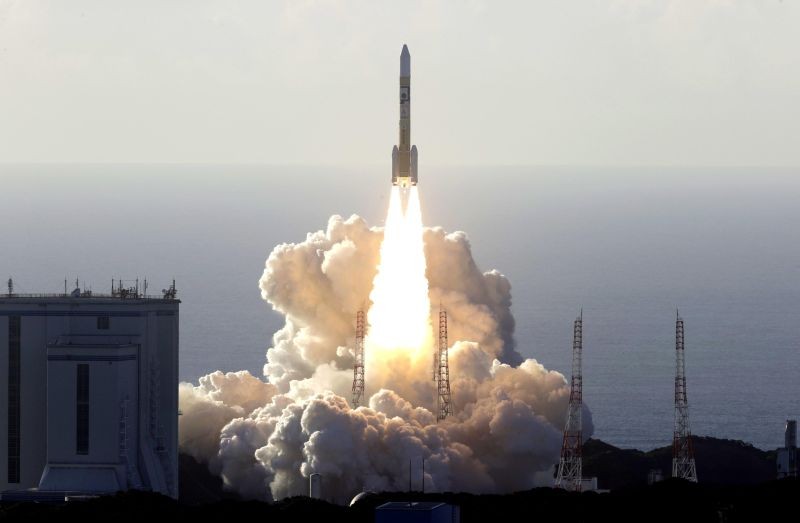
[[683, 465], [443, 403], [358, 367], [570, 465]]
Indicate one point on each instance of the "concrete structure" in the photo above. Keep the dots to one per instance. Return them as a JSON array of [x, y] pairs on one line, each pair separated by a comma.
[[787, 456], [654, 476], [90, 399], [589, 484], [417, 512]]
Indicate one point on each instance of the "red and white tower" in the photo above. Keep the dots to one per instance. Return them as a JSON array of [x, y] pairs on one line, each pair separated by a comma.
[[358, 366], [570, 466], [444, 405], [683, 465]]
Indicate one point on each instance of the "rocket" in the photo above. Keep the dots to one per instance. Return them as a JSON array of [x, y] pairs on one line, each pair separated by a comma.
[[404, 155]]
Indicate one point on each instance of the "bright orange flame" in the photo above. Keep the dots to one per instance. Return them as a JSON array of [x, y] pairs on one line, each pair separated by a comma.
[[399, 326]]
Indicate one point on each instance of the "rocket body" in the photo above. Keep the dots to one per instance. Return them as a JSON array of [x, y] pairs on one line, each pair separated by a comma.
[[404, 155]]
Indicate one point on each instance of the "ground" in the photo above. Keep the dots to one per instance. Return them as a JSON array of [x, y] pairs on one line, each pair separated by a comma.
[[735, 486]]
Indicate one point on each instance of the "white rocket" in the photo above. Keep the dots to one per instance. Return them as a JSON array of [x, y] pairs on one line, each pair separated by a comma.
[[404, 155]]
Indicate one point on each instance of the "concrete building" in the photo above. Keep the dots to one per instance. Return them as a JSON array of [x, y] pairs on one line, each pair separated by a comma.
[[654, 476], [589, 484], [90, 404], [787, 456]]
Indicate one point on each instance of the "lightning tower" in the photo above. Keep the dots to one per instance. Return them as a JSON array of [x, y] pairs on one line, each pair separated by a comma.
[[358, 367], [570, 465], [683, 465], [442, 371]]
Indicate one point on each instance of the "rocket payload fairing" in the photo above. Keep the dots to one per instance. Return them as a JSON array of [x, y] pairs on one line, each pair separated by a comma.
[[404, 155]]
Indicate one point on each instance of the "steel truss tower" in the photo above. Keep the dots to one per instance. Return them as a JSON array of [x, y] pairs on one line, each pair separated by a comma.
[[442, 372], [358, 366], [683, 465], [570, 471]]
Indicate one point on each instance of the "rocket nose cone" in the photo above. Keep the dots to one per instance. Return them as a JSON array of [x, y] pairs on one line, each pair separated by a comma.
[[405, 62]]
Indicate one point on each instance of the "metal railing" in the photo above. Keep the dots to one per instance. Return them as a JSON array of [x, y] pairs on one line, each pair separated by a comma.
[[87, 295]]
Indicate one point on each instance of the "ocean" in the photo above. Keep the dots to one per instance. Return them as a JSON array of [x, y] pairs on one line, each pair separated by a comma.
[[627, 245]]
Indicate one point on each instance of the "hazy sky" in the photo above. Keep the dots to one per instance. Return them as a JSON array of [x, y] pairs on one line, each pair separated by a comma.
[[583, 82]]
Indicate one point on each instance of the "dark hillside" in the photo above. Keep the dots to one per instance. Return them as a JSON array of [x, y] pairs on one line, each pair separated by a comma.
[[719, 462]]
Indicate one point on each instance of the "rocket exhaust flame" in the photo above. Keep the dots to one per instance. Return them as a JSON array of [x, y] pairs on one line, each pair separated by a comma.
[[399, 318]]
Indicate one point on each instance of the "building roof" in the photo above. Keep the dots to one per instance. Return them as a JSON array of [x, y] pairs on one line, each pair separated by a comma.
[[411, 505], [93, 299]]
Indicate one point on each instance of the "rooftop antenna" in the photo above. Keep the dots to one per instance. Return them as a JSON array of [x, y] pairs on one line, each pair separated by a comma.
[[570, 466], [10, 286], [169, 294], [683, 464]]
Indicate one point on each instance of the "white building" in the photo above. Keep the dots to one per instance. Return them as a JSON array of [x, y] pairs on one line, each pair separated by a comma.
[[89, 392], [787, 456]]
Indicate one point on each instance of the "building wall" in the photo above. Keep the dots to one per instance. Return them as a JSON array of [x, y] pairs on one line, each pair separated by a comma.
[[787, 462], [3, 402], [109, 383], [168, 364], [33, 375], [150, 325], [112, 378], [31, 416]]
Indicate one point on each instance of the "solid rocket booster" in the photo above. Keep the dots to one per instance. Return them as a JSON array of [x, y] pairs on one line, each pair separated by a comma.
[[404, 155]]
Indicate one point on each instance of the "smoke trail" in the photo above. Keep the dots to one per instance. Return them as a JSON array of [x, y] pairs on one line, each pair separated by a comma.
[[266, 438]]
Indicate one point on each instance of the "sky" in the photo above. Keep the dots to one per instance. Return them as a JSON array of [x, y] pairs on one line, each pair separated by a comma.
[[616, 82]]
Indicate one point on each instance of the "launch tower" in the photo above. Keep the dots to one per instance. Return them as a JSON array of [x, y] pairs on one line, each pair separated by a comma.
[[442, 372], [570, 466], [683, 465], [358, 367]]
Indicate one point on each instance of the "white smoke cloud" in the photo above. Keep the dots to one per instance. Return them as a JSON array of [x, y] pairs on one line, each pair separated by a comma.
[[208, 407], [266, 437]]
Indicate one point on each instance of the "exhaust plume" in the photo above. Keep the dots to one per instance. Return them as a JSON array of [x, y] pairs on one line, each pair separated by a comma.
[[266, 437]]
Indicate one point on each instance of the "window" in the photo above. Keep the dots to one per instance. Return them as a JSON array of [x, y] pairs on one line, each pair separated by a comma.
[[82, 412], [103, 322], [14, 323]]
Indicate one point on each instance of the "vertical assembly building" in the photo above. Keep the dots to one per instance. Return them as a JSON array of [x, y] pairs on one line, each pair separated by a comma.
[[89, 393]]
